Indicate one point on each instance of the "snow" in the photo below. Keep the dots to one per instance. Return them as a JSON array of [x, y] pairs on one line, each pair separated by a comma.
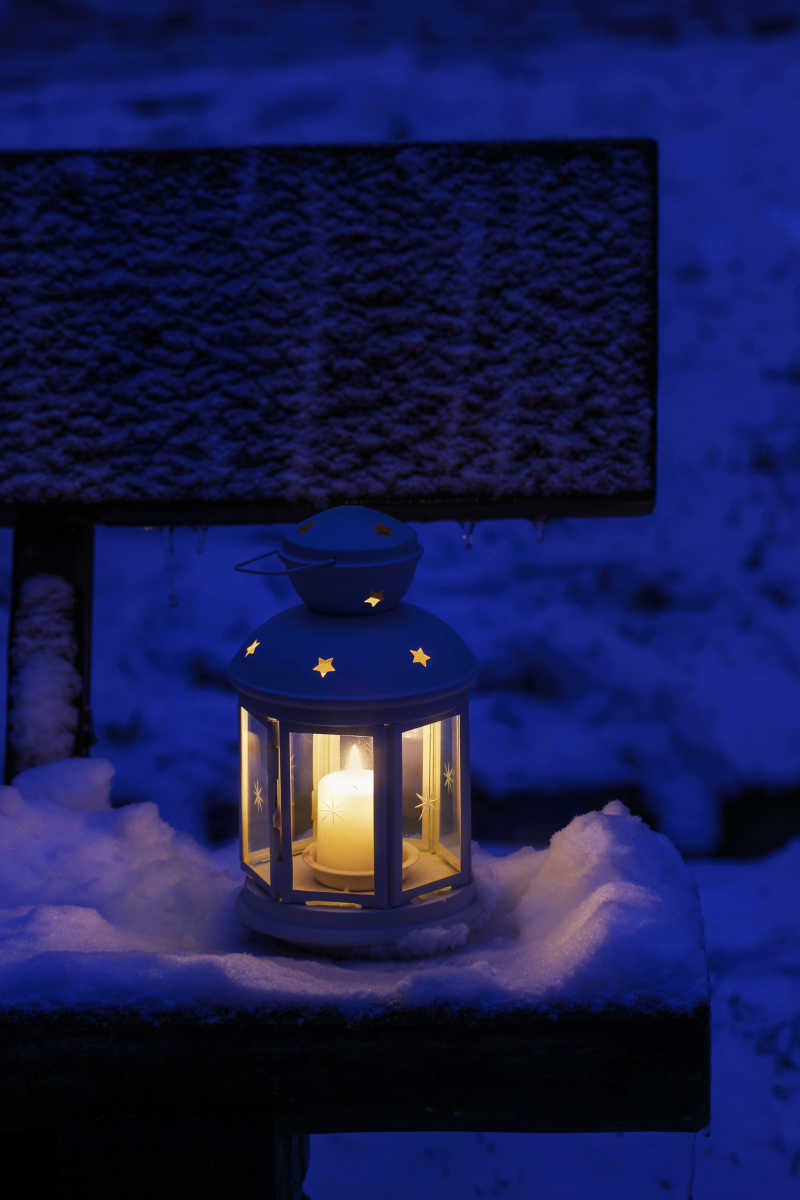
[[83, 784], [46, 683], [608, 916], [661, 653]]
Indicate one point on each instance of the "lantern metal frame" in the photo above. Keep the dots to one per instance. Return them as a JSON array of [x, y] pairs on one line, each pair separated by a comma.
[[326, 917]]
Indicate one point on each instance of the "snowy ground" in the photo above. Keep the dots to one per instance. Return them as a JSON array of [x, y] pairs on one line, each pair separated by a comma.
[[657, 658]]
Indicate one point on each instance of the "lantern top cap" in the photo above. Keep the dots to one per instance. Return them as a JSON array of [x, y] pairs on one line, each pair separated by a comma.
[[351, 560], [353, 533]]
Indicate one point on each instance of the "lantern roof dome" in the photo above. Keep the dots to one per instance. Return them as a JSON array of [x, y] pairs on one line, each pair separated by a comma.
[[351, 558], [320, 660]]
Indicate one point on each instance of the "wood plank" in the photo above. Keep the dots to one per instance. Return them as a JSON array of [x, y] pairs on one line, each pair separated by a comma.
[[423, 1070], [49, 641], [453, 329], [159, 1156]]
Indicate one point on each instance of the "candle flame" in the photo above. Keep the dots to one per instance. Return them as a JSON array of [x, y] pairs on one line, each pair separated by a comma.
[[354, 759]]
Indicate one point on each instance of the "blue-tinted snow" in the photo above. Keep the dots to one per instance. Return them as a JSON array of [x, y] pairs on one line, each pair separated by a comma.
[[607, 916], [698, 602], [46, 682]]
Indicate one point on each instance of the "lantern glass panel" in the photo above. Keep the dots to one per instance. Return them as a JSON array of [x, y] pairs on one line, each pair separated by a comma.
[[432, 800], [259, 790], [332, 812]]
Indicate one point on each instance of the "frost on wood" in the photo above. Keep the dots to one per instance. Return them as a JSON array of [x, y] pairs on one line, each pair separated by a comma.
[[45, 684], [318, 325]]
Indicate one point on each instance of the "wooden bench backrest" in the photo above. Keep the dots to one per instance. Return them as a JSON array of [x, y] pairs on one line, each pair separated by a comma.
[[458, 329], [246, 336]]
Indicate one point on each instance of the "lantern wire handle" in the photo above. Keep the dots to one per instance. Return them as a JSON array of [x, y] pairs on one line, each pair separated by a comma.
[[247, 569]]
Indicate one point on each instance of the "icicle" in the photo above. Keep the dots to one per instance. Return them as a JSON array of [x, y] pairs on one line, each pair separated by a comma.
[[692, 1164], [172, 598], [467, 530], [539, 524], [201, 531]]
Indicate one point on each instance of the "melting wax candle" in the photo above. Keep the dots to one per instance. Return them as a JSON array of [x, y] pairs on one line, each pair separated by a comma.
[[345, 825]]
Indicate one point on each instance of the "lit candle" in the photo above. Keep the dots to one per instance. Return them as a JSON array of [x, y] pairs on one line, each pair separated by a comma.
[[345, 839]]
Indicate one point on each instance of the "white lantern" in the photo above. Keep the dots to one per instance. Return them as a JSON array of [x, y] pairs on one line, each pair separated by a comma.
[[355, 824]]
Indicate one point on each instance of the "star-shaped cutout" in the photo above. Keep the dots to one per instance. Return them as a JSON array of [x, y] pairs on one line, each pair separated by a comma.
[[449, 774], [374, 598], [305, 528], [419, 656], [329, 812], [258, 795], [382, 530], [426, 804], [251, 649], [324, 665]]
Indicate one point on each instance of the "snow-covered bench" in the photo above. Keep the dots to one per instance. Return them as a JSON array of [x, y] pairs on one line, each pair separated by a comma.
[[242, 336]]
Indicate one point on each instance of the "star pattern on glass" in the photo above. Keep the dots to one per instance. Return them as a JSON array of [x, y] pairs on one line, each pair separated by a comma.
[[330, 813], [426, 804], [251, 649], [305, 528], [374, 598], [419, 656], [258, 795], [449, 775], [382, 530], [325, 666]]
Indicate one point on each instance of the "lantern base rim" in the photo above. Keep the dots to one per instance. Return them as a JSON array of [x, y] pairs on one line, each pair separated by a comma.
[[352, 881], [316, 928]]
